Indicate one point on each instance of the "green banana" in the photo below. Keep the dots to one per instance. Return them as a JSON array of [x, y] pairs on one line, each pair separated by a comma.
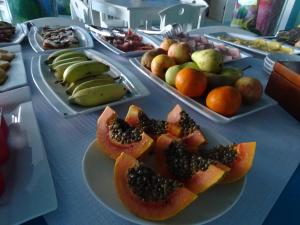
[[60, 69], [98, 95], [73, 85], [79, 58], [68, 55], [83, 69], [53, 55], [92, 83]]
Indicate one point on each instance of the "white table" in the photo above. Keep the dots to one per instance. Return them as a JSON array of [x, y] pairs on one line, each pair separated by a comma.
[[135, 12]]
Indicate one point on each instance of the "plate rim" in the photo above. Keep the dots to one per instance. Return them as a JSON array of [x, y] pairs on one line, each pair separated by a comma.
[[83, 163]]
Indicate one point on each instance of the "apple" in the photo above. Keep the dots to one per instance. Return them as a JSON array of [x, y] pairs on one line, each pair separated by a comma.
[[180, 52], [250, 88], [160, 64], [171, 74], [166, 43]]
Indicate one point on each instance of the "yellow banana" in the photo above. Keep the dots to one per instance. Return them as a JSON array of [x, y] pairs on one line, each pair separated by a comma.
[[73, 85], [60, 69], [92, 83], [94, 96], [68, 55], [53, 55], [78, 58], [83, 69]]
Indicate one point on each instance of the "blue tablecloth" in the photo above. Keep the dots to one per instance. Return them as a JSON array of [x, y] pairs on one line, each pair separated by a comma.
[[65, 140]]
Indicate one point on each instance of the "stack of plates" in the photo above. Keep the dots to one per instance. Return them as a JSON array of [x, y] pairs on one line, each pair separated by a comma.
[[271, 59]]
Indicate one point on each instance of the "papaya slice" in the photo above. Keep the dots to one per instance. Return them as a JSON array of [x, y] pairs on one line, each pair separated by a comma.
[[137, 118], [238, 157], [115, 136], [175, 161], [189, 131], [128, 170]]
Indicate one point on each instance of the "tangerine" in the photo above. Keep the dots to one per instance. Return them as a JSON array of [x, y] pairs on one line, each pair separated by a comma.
[[191, 82], [225, 100]]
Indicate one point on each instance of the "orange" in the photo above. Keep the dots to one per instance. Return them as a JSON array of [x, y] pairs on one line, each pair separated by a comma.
[[225, 100], [191, 82]]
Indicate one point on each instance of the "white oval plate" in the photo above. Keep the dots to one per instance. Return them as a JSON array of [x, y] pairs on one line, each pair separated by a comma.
[[98, 174], [20, 34], [16, 73], [29, 190], [36, 42]]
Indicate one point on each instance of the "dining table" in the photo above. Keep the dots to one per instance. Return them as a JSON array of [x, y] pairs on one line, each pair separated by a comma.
[[66, 140]]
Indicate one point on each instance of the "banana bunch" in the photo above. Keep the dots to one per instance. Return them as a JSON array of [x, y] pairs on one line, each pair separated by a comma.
[[86, 81]]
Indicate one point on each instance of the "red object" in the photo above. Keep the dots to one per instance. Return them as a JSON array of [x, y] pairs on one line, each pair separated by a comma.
[[284, 86], [1, 184], [4, 154]]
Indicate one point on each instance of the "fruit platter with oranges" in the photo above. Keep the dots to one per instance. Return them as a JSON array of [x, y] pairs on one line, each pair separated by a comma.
[[203, 76]]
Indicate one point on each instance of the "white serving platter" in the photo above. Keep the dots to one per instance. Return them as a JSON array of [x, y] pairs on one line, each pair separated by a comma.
[[98, 175], [20, 34], [16, 73], [35, 39], [199, 106], [114, 49], [29, 190], [215, 36], [55, 93]]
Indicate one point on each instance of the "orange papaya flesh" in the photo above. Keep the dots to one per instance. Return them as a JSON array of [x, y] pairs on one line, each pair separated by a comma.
[[187, 129], [242, 165], [199, 181], [179, 199], [111, 146], [237, 157], [137, 118]]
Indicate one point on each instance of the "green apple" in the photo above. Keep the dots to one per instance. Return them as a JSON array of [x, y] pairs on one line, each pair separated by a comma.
[[171, 73]]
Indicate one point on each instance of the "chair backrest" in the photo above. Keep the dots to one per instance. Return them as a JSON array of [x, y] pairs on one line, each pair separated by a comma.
[[80, 11], [105, 16], [188, 15]]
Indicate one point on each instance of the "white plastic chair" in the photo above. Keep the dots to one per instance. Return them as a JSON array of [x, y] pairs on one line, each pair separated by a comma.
[[188, 15], [105, 16], [80, 11]]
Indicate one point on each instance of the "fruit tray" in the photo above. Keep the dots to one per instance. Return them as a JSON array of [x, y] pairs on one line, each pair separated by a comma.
[[20, 34], [199, 106], [16, 72], [215, 36], [36, 42], [57, 97], [158, 39], [114, 49]]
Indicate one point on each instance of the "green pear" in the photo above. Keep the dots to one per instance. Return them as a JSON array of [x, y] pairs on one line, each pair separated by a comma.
[[192, 65], [171, 73], [208, 60]]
